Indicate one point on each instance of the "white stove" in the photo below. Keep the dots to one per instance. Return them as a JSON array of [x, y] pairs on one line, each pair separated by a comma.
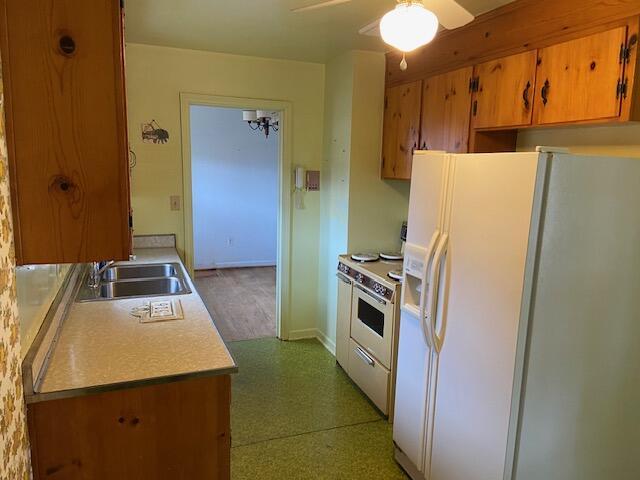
[[367, 323]]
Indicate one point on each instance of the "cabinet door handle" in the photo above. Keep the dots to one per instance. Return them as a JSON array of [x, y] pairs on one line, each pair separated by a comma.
[[525, 96], [544, 92]]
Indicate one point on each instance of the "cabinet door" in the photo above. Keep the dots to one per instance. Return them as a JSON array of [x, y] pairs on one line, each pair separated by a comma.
[[446, 106], [504, 91], [401, 129], [66, 129], [576, 80], [169, 431]]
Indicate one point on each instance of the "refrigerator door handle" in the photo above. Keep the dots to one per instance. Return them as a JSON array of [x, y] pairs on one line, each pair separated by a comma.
[[435, 282], [427, 289]]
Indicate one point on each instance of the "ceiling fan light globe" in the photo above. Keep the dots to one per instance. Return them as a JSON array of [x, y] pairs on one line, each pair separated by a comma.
[[408, 26]]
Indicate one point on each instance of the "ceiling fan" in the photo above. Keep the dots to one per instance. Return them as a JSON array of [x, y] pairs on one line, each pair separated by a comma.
[[411, 24]]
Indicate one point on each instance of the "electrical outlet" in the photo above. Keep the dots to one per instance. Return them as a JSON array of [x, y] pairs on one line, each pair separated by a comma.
[[175, 202], [229, 241]]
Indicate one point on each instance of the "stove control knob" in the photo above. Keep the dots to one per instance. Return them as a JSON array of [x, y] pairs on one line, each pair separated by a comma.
[[359, 278], [379, 289]]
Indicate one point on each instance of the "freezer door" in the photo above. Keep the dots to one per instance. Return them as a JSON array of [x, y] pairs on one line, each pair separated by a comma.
[[476, 322], [426, 213], [428, 190], [426, 202], [580, 417]]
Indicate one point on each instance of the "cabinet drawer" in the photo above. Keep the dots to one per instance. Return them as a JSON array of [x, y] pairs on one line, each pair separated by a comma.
[[370, 376]]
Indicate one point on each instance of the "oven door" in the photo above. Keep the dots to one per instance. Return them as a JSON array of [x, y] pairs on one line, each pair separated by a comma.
[[372, 324]]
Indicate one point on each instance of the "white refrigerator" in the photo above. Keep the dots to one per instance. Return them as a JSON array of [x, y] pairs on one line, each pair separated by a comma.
[[519, 348]]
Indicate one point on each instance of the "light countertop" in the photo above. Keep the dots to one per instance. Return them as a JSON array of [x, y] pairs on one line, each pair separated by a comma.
[[101, 344]]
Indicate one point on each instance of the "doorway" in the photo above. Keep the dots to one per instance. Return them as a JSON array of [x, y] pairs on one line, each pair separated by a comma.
[[236, 213]]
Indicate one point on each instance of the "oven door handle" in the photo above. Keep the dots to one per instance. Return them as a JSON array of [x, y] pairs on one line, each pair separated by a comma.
[[364, 356], [379, 300], [343, 278]]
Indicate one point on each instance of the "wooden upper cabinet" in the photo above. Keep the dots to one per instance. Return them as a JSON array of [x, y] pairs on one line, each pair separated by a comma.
[[63, 73], [578, 80], [503, 91], [446, 103], [401, 129]]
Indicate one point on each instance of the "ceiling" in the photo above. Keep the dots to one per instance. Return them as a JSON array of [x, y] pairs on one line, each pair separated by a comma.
[[264, 28]]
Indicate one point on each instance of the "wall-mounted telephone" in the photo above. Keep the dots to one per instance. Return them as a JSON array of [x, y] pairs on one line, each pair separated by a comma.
[[299, 182], [304, 180]]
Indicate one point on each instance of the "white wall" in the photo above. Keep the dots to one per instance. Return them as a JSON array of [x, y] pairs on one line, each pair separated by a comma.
[[359, 210], [235, 190]]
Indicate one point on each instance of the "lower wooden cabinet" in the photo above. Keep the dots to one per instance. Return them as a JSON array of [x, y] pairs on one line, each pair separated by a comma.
[[446, 103], [170, 431], [401, 129]]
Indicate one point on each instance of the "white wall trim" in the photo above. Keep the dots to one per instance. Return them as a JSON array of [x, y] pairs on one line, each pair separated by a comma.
[[283, 272], [302, 334], [243, 264], [327, 342], [314, 333]]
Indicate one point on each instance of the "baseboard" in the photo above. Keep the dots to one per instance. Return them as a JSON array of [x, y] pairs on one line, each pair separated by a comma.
[[314, 333], [327, 342], [245, 264], [304, 333]]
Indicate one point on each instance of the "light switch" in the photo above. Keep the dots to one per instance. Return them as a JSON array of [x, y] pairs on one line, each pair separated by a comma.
[[175, 202]]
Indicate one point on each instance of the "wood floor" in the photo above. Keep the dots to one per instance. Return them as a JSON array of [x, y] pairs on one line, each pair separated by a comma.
[[242, 301]]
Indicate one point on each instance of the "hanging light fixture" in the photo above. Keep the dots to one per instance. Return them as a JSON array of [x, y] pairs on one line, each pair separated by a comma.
[[261, 120], [408, 26]]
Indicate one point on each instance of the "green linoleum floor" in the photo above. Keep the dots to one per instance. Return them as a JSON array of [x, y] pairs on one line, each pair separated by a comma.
[[295, 414]]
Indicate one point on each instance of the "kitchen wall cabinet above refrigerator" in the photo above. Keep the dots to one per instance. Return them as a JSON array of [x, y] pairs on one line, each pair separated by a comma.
[[519, 318], [585, 80], [63, 73]]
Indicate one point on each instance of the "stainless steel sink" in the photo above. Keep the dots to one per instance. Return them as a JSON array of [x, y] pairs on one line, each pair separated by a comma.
[[138, 280], [125, 272], [142, 288]]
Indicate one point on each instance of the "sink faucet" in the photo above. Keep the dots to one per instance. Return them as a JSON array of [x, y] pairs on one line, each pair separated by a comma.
[[96, 270]]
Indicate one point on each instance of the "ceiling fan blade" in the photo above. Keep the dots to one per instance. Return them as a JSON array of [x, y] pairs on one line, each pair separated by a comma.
[[315, 6], [450, 14], [372, 29]]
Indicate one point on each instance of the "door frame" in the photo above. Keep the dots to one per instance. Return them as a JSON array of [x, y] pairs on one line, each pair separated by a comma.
[[283, 257]]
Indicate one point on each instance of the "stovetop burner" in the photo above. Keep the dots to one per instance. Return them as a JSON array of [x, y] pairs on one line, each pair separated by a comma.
[[391, 255], [365, 257], [395, 274]]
